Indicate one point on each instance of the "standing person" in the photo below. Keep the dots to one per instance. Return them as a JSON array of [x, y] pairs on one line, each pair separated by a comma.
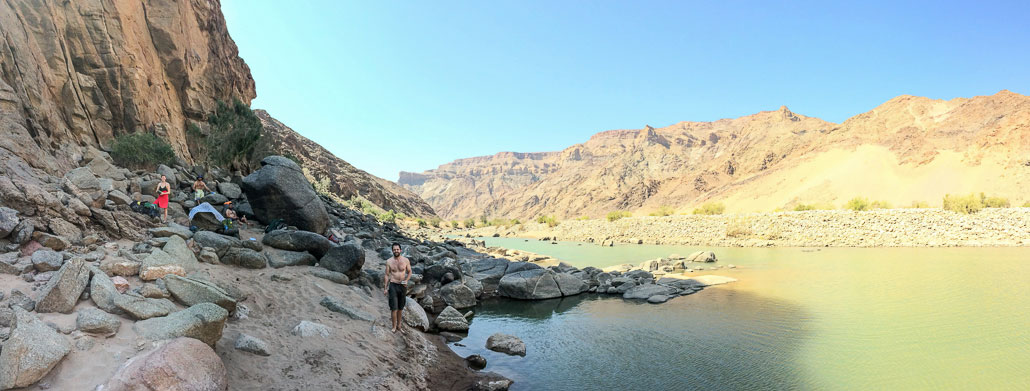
[[199, 187], [398, 272], [163, 190]]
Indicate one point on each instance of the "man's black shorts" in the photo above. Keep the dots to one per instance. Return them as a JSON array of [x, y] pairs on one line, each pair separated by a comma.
[[395, 294]]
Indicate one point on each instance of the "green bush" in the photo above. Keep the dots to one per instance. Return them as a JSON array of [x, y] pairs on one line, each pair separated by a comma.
[[141, 150], [995, 202], [803, 207], [612, 216], [663, 210], [469, 223], [421, 222], [551, 221], [454, 223], [235, 132], [963, 204], [710, 208], [435, 222], [1026, 204], [388, 216], [583, 218], [857, 204]]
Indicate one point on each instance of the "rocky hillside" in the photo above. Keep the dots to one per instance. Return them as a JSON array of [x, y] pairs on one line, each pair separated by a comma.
[[908, 149], [344, 179], [74, 74]]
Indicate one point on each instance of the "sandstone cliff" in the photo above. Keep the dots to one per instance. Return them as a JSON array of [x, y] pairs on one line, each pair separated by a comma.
[[908, 149], [74, 74], [344, 179]]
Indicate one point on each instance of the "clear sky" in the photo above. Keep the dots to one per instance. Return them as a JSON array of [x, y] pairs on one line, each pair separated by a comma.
[[410, 85]]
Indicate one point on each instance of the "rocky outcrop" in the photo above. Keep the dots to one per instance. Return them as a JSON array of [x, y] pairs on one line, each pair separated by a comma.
[[279, 190], [344, 180], [179, 364], [203, 321], [30, 352], [744, 161], [75, 74]]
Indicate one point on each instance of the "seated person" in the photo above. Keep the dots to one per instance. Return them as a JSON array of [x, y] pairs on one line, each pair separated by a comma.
[[230, 213]]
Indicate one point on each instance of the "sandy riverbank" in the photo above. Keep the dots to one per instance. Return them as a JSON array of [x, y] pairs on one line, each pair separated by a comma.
[[818, 228]]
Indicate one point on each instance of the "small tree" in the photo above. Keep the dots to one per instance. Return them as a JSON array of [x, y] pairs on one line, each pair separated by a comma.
[[141, 150], [235, 131], [857, 204], [617, 215], [710, 208], [963, 204]]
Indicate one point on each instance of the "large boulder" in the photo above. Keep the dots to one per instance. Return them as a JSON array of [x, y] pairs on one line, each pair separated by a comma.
[[177, 248], [458, 295], [570, 285], [516, 267], [347, 258], [489, 272], [63, 290], [244, 257], [159, 264], [701, 256], [182, 364], [172, 229], [8, 220], [220, 243], [445, 271], [279, 190], [45, 260], [310, 242], [230, 190], [414, 315], [83, 178], [508, 344], [95, 321], [451, 320], [203, 321], [282, 258], [31, 351], [102, 291], [141, 308], [190, 292], [532, 284]]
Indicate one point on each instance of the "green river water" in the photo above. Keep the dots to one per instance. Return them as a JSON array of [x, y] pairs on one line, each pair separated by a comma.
[[826, 319]]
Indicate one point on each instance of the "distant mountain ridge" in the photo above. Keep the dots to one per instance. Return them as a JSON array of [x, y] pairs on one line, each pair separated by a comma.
[[901, 151]]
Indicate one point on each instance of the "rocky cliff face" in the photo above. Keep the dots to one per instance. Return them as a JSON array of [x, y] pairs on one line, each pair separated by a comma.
[[344, 179], [902, 151], [75, 74]]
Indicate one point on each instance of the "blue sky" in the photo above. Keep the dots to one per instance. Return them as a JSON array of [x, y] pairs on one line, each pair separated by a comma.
[[410, 85]]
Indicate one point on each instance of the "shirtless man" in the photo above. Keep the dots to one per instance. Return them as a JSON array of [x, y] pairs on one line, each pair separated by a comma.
[[398, 272]]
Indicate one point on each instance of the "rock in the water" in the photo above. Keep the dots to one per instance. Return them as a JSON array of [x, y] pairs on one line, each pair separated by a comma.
[[458, 295], [645, 291], [451, 320], [701, 256], [310, 242], [330, 275], [338, 306], [658, 299], [414, 315], [310, 329], [92, 320], [282, 258], [203, 321], [489, 272], [45, 260], [244, 257], [505, 343], [347, 258], [64, 289], [252, 344], [570, 285], [141, 308], [31, 351], [190, 292], [532, 284], [279, 190], [182, 364], [476, 361]]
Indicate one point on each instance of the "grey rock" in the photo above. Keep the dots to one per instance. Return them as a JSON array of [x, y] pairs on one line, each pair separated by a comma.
[[311, 242], [142, 308], [414, 315], [83, 178], [92, 320], [336, 305], [172, 229], [23, 232], [474, 285], [279, 190], [310, 329], [645, 291], [516, 267], [508, 344], [347, 258], [444, 271], [330, 275], [31, 351], [177, 248], [451, 320], [701, 256], [119, 198], [44, 260], [20, 300], [458, 295], [489, 272], [658, 299], [102, 291], [244, 257], [8, 221], [570, 285], [54, 242], [532, 284], [190, 292], [230, 190], [159, 264], [214, 199], [208, 255], [203, 321], [282, 258], [220, 243], [476, 361], [64, 289], [252, 244], [252, 344]]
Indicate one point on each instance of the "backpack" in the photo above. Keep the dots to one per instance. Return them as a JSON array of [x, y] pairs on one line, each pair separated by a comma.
[[229, 228], [146, 208], [275, 224]]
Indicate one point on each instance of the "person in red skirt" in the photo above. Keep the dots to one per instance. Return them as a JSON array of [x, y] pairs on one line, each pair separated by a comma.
[[163, 190]]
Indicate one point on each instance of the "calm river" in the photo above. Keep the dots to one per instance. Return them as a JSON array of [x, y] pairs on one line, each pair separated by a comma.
[[832, 319]]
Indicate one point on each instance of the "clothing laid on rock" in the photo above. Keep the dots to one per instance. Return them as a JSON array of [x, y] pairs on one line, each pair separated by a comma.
[[395, 295]]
